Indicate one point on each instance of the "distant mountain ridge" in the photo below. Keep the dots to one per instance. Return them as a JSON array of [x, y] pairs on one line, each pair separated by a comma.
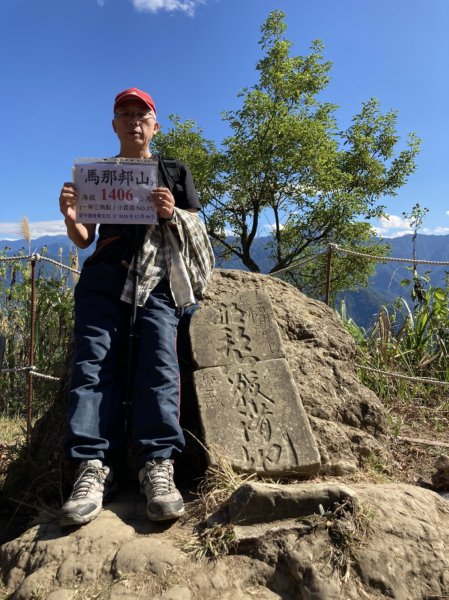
[[383, 288], [52, 242]]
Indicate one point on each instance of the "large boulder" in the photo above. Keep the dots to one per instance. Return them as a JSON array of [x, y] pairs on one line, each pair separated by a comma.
[[348, 419]]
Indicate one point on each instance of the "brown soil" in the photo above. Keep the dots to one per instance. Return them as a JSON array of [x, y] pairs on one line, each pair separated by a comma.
[[7, 453], [415, 462]]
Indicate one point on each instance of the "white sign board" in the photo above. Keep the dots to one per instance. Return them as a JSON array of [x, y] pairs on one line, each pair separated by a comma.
[[115, 191]]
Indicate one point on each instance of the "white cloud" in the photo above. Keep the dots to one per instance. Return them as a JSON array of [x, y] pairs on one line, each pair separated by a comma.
[[100, 2], [394, 222], [435, 231], [186, 6], [10, 231], [388, 233], [229, 232], [393, 226]]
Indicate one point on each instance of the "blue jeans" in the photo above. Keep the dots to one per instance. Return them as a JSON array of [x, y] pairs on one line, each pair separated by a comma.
[[96, 410]]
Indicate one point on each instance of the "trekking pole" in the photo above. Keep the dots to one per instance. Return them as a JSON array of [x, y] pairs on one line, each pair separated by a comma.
[[133, 335]]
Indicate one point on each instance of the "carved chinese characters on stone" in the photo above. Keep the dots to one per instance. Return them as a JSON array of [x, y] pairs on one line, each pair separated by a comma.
[[237, 330], [210, 389], [257, 418], [249, 405]]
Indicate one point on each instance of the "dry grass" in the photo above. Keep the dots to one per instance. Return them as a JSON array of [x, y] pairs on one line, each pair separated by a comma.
[[12, 430], [25, 232], [220, 481], [211, 542], [12, 437], [348, 525]]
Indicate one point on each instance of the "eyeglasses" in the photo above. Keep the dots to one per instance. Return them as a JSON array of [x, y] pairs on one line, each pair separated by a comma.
[[137, 115]]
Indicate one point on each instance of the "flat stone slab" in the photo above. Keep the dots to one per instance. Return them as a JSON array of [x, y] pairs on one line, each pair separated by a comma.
[[253, 414], [256, 502], [240, 328]]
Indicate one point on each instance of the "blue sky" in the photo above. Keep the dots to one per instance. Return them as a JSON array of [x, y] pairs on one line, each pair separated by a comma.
[[63, 61]]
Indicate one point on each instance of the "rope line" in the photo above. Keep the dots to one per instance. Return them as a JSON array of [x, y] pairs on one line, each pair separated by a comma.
[[31, 370], [59, 264], [294, 265], [401, 376], [44, 376], [13, 258], [297, 263], [38, 258], [359, 366], [388, 258]]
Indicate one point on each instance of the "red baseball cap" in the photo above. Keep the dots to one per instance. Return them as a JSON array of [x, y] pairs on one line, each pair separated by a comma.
[[133, 94]]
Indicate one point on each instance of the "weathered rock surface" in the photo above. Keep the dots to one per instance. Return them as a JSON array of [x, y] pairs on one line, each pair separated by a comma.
[[347, 419], [267, 430], [372, 541], [238, 329], [252, 389], [256, 502]]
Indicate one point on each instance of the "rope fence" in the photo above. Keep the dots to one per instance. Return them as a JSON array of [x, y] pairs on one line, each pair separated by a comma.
[[335, 248], [332, 249], [33, 371], [37, 258], [430, 380], [376, 258]]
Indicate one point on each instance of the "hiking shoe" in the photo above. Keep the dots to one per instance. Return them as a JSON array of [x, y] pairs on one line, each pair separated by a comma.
[[164, 502], [93, 482]]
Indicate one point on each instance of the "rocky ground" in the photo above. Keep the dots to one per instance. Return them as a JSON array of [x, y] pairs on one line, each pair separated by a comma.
[[121, 555], [308, 541], [369, 526]]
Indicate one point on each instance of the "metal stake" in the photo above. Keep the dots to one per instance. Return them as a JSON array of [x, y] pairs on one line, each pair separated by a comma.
[[31, 355]]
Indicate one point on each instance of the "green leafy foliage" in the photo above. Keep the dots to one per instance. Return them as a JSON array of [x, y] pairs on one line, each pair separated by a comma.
[[411, 338], [287, 165], [53, 328]]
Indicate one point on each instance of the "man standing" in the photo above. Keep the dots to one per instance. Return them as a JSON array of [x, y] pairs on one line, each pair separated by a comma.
[[103, 299]]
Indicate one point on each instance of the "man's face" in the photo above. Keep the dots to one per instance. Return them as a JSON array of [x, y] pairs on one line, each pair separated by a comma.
[[134, 124]]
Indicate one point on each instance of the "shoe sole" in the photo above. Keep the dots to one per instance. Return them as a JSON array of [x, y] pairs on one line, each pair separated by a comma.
[[74, 519], [165, 517], [71, 520]]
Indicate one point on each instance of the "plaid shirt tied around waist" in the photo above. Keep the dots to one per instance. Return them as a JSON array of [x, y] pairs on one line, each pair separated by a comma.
[[183, 255]]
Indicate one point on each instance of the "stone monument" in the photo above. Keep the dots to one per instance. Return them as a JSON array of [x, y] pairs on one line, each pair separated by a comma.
[[249, 405]]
